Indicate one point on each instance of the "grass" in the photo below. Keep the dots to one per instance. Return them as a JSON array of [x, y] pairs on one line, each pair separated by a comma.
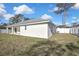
[[64, 38], [57, 45], [15, 45]]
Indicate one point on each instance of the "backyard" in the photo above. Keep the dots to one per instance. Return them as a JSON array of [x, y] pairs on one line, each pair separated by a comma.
[[65, 38], [58, 44]]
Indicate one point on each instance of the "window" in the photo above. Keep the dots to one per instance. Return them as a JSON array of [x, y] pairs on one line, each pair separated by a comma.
[[25, 27]]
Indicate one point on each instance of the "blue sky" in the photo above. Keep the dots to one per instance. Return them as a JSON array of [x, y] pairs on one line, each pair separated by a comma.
[[37, 10]]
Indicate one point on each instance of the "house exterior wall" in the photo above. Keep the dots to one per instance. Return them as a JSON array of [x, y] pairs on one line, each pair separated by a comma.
[[75, 30], [51, 29], [63, 30], [38, 30], [78, 31], [49, 32]]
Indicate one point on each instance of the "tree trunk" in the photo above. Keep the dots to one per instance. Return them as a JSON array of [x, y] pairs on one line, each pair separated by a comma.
[[64, 18]]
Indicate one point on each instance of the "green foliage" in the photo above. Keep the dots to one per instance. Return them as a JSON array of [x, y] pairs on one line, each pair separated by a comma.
[[17, 18], [62, 7], [3, 26]]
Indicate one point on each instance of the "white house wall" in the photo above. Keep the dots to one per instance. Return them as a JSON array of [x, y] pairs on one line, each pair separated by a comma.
[[75, 30], [78, 31], [63, 30], [39, 30]]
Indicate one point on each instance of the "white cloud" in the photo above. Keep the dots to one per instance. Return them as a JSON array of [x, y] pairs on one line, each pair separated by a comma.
[[57, 23], [55, 9], [45, 16], [67, 23], [2, 6], [2, 10], [76, 6], [74, 17], [7, 16], [3, 13], [78, 20], [23, 9]]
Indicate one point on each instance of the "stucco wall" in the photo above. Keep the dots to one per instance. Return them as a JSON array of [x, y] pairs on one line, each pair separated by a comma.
[[39, 30]]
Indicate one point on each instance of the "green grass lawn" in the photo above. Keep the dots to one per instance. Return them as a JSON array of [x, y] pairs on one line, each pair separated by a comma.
[[58, 44]]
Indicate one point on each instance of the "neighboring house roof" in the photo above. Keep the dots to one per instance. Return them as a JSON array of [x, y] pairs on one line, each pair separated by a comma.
[[63, 26], [75, 24], [30, 22]]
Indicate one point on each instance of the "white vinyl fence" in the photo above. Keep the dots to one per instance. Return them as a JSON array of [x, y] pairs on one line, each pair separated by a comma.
[[3, 31]]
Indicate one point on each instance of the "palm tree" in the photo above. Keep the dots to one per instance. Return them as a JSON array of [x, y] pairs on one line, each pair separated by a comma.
[[63, 8]]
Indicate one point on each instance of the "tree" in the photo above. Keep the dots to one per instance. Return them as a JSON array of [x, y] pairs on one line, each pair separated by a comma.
[[17, 18], [63, 8], [3, 26]]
